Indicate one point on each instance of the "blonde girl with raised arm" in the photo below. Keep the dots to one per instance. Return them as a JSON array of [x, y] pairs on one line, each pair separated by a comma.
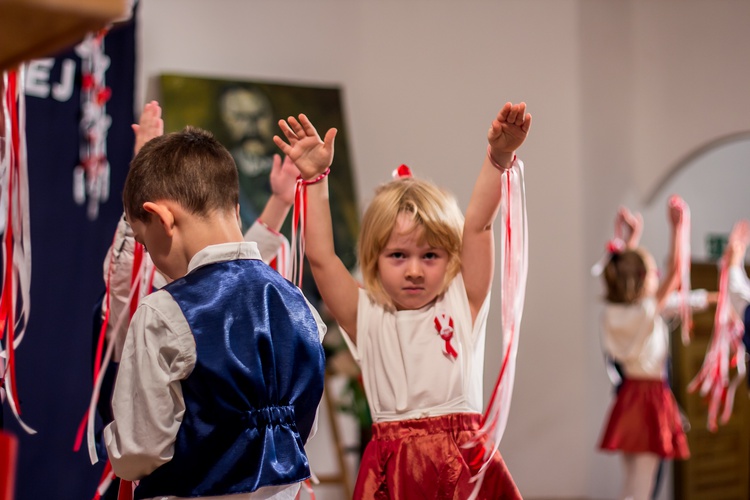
[[417, 328]]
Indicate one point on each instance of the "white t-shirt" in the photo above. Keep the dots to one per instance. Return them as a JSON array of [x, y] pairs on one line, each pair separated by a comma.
[[636, 336], [739, 289], [406, 373]]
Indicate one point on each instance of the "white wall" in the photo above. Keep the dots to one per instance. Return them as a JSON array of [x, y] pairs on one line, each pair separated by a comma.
[[619, 92]]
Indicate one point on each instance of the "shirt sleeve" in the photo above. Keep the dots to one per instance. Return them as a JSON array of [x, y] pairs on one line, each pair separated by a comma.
[[118, 267], [739, 289], [269, 241], [118, 270], [697, 301], [147, 402]]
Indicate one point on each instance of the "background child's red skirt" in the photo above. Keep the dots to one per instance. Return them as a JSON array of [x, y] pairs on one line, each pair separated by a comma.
[[423, 458], [646, 419]]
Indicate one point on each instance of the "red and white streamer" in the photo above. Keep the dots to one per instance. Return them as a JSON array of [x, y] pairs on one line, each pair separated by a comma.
[[142, 278], [282, 260], [513, 267], [299, 214], [682, 249], [725, 353], [14, 222]]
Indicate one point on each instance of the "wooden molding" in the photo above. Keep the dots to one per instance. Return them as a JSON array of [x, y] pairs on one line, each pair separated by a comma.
[[31, 29]]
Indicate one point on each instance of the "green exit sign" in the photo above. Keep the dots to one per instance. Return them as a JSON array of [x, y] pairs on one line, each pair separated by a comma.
[[715, 245]]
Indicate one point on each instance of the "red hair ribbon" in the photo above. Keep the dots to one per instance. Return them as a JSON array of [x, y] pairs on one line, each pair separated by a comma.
[[401, 172], [615, 245]]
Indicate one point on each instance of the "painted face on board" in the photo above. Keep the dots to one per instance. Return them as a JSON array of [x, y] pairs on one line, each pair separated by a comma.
[[411, 271]]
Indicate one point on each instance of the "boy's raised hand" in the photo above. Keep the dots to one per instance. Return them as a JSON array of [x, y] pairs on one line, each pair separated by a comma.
[[310, 154], [149, 126], [283, 178], [509, 129]]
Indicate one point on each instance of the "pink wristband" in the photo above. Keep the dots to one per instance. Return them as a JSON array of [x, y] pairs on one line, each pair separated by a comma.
[[317, 179], [495, 163]]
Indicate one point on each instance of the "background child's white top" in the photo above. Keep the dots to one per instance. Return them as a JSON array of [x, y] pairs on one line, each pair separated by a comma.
[[406, 373], [637, 337]]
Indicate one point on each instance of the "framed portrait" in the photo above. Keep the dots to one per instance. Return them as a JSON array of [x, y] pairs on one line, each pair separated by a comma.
[[244, 115]]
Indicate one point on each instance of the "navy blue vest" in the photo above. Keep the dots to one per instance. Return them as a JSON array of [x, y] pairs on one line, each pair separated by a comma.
[[258, 379]]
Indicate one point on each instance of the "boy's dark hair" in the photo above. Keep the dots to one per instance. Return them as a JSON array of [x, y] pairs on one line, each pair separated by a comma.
[[625, 276], [189, 167]]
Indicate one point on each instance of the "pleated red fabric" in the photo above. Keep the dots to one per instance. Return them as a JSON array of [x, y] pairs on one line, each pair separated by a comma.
[[424, 458], [645, 419]]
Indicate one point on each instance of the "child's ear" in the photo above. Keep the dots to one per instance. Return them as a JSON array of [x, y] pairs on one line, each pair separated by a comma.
[[163, 214], [237, 213]]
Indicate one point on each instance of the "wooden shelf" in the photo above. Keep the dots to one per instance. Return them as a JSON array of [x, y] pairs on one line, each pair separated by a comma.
[[37, 28]]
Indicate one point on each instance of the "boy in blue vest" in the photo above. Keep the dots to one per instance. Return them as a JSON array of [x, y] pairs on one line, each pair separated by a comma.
[[222, 369]]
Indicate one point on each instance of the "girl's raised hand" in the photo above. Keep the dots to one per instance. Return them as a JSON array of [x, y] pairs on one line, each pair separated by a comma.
[[676, 209], [310, 154], [509, 129], [633, 223], [740, 233], [283, 178]]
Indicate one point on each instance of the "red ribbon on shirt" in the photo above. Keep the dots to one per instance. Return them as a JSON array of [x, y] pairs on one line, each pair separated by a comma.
[[446, 333]]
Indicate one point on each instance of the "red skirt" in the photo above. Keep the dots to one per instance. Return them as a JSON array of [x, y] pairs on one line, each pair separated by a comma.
[[645, 419], [423, 458]]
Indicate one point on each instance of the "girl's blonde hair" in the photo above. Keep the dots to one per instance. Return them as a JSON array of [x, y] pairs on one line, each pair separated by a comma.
[[433, 211], [625, 276]]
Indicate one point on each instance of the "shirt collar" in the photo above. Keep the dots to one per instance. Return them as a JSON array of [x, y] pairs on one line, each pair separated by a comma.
[[224, 252]]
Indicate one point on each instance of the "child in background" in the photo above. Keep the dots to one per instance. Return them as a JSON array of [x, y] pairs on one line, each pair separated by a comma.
[[644, 423], [418, 327], [222, 369]]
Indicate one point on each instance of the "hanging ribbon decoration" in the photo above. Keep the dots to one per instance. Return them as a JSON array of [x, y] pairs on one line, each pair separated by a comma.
[[725, 352], [513, 267], [14, 204], [682, 250], [91, 177], [299, 215]]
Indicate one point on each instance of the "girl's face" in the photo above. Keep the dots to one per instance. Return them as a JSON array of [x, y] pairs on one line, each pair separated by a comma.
[[412, 273]]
